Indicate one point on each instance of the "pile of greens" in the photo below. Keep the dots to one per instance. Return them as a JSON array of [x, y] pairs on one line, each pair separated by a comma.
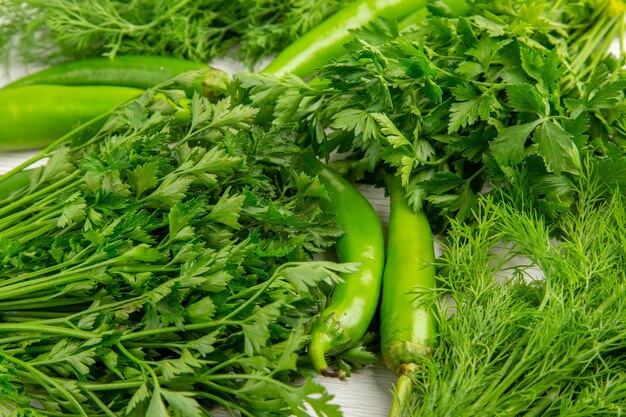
[[43, 30], [459, 102], [163, 267], [520, 342], [507, 127]]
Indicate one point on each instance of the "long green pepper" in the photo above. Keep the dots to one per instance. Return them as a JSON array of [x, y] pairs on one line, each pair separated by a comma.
[[408, 325], [346, 319], [123, 71], [326, 41], [32, 116]]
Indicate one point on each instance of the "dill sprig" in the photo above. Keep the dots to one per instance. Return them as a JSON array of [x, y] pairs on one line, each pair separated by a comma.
[[47, 30], [525, 343]]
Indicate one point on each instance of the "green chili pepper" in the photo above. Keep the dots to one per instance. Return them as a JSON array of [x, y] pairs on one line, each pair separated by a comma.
[[326, 41], [124, 71], [408, 324], [344, 322], [32, 116]]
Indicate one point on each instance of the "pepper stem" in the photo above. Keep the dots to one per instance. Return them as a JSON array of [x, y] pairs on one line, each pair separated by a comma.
[[403, 389]]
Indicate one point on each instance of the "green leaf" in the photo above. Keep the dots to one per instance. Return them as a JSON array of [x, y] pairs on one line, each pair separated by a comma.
[[532, 62], [203, 345], [135, 115], [395, 138], [441, 182], [607, 96], [557, 148], [433, 91], [73, 211], [227, 210], [255, 329], [141, 253], [138, 397], [552, 71], [157, 406], [144, 177], [525, 98], [314, 395], [182, 404], [172, 189], [486, 50], [509, 146], [466, 113], [202, 310], [304, 276]]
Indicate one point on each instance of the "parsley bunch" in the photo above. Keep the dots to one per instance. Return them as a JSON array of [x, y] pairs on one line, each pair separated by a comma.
[[197, 30], [163, 267], [461, 101]]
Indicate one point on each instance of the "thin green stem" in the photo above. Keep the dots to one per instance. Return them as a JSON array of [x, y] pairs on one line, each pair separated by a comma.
[[173, 329], [43, 192], [45, 329], [140, 363], [20, 290], [46, 381], [41, 303], [77, 259], [229, 405], [99, 403], [225, 403]]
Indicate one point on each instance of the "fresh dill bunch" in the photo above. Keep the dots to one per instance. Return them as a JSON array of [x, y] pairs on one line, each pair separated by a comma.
[[48, 30], [537, 326]]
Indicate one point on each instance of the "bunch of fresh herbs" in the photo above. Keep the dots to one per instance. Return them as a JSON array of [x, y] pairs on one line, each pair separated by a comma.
[[461, 101], [46, 30], [163, 267], [537, 325]]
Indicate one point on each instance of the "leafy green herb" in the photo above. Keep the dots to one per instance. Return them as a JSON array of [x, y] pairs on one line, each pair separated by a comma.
[[534, 326], [197, 30], [160, 268], [461, 101]]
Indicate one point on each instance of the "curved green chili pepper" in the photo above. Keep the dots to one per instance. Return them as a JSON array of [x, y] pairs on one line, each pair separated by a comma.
[[32, 116], [345, 320], [408, 324], [326, 41], [124, 71]]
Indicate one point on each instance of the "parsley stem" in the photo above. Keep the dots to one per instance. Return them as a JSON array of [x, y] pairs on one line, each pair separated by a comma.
[[50, 226], [45, 329], [112, 386], [62, 265], [40, 303], [17, 290], [43, 192], [174, 329], [38, 224], [46, 381], [99, 403], [229, 405]]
